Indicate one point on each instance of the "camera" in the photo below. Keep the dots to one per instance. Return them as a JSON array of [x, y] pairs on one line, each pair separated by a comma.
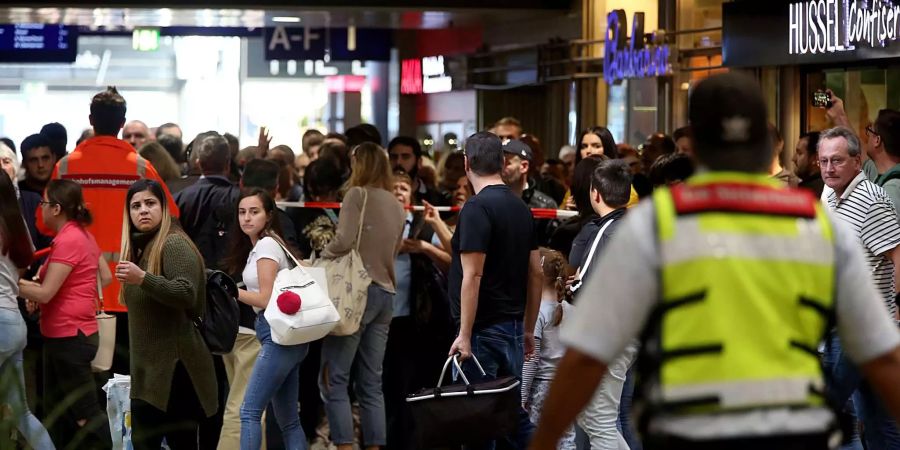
[[821, 99]]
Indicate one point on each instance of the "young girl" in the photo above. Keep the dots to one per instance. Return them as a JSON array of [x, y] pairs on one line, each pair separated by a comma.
[[538, 371], [275, 377]]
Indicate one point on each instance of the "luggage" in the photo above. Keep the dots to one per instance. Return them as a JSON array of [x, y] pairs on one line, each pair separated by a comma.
[[467, 413]]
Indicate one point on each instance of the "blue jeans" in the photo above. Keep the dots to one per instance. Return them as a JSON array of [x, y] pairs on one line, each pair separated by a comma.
[[624, 425], [12, 379], [276, 379], [366, 349], [500, 348], [847, 387]]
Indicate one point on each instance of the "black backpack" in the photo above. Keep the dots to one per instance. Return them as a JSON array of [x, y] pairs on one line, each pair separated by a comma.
[[212, 237], [219, 323]]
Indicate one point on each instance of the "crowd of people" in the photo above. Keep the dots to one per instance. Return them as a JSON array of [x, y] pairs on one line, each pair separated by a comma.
[[128, 226]]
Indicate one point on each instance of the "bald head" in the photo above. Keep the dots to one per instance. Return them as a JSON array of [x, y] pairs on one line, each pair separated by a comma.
[[136, 133]]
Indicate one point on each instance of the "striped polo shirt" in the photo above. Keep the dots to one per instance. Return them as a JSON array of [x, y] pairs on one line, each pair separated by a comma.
[[868, 210]]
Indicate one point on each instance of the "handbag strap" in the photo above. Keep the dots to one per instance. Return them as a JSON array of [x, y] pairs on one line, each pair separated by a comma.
[[100, 292], [362, 218], [286, 251]]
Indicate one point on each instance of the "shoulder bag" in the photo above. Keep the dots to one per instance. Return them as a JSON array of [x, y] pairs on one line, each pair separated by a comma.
[[348, 282], [299, 310], [106, 326]]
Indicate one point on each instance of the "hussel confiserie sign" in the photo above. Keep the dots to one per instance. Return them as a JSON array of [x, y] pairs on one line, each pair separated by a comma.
[[757, 33], [827, 26]]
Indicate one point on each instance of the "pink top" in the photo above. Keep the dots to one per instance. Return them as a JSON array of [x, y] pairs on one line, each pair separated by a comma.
[[73, 308]]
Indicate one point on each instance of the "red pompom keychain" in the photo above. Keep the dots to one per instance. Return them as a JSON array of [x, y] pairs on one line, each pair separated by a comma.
[[289, 302]]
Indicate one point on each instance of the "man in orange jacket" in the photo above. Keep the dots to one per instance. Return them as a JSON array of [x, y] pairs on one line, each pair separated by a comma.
[[105, 167]]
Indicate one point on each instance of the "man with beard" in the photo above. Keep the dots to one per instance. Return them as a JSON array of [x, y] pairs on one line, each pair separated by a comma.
[[405, 154], [517, 160], [806, 162]]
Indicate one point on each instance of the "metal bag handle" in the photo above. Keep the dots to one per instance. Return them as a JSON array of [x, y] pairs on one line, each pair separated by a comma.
[[455, 360]]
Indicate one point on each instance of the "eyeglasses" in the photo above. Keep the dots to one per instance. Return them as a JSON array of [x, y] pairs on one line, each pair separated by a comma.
[[48, 203], [835, 162], [871, 131]]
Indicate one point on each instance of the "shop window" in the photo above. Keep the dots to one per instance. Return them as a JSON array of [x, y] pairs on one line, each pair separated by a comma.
[[865, 91], [697, 15]]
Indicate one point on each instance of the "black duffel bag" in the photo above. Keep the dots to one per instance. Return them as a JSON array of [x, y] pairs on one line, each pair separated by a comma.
[[468, 413]]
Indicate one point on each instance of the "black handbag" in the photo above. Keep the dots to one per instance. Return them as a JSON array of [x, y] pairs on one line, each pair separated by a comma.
[[467, 413]]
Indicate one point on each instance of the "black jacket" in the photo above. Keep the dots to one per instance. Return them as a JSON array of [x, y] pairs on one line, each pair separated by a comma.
[[198, 201]]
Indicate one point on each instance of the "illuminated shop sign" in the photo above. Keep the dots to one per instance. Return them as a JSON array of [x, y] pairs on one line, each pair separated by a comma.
[[789, 32], [828, 26], [424, 76], [625, 58]]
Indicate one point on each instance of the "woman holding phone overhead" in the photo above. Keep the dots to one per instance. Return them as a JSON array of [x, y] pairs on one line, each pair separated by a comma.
[[67, 295], [173, 383]]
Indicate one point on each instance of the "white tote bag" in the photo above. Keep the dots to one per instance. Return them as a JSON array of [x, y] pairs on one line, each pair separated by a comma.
[[106, 326], [316, 316]]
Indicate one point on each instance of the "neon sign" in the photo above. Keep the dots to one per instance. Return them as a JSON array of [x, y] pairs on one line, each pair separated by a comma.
[[829, 26], [424, 76], [625, 58], [411, 76]]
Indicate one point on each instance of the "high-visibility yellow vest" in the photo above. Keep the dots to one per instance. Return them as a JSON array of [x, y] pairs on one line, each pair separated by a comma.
[[747, 287]]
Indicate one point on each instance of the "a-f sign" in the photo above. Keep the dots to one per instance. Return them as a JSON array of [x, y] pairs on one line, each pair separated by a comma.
[[281, 37]]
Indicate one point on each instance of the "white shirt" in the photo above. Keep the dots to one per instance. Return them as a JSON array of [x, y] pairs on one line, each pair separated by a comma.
[[265, 248], [9, 283], [868, 211], [552, 349]]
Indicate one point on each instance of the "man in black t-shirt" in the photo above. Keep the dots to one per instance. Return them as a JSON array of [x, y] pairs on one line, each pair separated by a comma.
[[495, 274]]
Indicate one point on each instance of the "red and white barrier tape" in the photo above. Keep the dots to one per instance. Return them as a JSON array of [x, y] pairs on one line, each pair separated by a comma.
[[539, 213]]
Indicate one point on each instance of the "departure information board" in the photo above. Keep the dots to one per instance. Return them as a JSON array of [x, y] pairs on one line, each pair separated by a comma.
[[37, 43]]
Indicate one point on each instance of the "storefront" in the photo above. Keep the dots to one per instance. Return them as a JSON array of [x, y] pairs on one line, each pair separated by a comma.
[[848, 46]]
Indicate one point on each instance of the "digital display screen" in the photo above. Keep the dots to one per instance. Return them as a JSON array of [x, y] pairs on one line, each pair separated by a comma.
[[37, 43]]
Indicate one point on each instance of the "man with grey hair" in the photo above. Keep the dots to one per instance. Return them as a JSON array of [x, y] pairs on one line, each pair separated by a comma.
[[868, 211], [208, 204]]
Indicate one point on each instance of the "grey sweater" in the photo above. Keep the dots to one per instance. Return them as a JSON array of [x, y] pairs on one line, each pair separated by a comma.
[[162, 332], [381, 235]]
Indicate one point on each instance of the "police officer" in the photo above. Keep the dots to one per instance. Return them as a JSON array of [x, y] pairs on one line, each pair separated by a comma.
[[732, 282]]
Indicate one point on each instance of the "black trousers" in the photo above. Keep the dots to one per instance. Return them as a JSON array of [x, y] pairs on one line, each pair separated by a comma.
[[121, 363], [70, 393], [178, 424], [398, 381]]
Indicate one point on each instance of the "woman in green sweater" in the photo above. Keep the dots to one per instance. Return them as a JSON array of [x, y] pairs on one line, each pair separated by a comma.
[[173, 384]]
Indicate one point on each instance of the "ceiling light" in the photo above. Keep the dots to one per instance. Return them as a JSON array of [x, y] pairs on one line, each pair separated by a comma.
[[286, 19]]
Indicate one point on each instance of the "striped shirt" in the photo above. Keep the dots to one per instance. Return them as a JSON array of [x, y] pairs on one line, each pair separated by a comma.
[[868, 210]]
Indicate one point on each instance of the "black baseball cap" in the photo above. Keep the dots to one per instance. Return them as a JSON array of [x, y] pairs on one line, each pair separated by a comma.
[[518, 148], [728, 113]]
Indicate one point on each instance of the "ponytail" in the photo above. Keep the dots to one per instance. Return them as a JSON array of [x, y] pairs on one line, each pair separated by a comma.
[[83, 216], [68, 195]]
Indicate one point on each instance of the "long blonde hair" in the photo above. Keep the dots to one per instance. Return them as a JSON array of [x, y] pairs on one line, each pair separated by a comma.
[[370, 168], [155, 247]]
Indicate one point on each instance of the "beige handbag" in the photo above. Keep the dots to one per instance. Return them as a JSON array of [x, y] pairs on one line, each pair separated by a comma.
[[106, 326], [348, 282]]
